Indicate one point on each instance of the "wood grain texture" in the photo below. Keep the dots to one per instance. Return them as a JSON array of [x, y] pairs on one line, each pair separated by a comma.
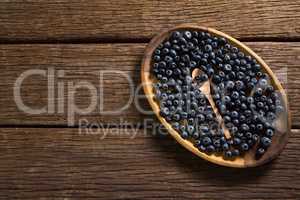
[[61, 163], [83, 62], [81, 19]]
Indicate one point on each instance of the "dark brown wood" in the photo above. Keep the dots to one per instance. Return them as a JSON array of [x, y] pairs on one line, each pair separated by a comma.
[[83, 61], [61, 163], [44, 20]]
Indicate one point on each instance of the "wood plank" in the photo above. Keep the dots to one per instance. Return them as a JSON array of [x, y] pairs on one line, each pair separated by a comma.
[[61, 163], [92, 20], [83, 62]]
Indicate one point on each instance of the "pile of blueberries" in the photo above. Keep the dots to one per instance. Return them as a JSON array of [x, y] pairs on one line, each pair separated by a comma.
[[242, 92]]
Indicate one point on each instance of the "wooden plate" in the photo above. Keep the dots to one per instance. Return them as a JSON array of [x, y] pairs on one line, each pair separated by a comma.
[[282, 124]]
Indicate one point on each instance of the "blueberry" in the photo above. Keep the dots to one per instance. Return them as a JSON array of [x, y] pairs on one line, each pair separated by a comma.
[[222, 108], [236, 141], [235, 95], [242, 118], [248, 113], [250, 100], [244, 106], [176, 125], [162, 65], [241, 54], [259, 127], [187, 34], [165, 51], [243, 62], [234, 114], [210, 72], [269, 89], [195, 34], [231, 75], [190, 45], [160, 46], [237, 103], [164, 112], [249, 135], [258, 92], [250, 143], [196, 135], [206, 141], [263, 83], [210, 149], [234, 129], [197, 143], [157, 52], [156, 58], [240, 134], [235, 152], [216, 78], [202, 77], [222, 140], [225, 146], [260, 104], [209, 116], [279, 109], [176, 117], [173, 53], [239, 85], [217, 143], [208, 48], [227, 99], [230, 142], [226, 118], [176, 34], [269, 133], [266, 142], [192, 113], [184, 135], [245, 127], [222, 41], [228, 154], [168, 118], [182, 128], [230, 85], [169, 72], [227, 57], [190, 129], [202, 148], [167, 44], [227, 67], [184, 115], [256, 67], [176, 47], [250, 85], [227, 46], [240, 75], [244, 146]]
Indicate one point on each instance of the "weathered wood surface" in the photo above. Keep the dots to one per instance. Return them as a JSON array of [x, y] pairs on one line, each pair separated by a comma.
[[62, 20], [61, 163], [83, 62]]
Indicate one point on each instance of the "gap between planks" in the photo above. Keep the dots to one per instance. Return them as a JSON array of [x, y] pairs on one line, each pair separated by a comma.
[[96, 40]]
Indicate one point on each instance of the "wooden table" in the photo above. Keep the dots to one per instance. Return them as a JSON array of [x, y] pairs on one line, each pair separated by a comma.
[[42, 156]]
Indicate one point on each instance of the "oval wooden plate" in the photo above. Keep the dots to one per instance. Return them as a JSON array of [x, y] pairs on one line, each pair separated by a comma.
[[282, 123]]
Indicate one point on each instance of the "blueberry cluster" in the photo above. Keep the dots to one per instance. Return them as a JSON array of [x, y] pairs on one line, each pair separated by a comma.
[[241, 91]]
